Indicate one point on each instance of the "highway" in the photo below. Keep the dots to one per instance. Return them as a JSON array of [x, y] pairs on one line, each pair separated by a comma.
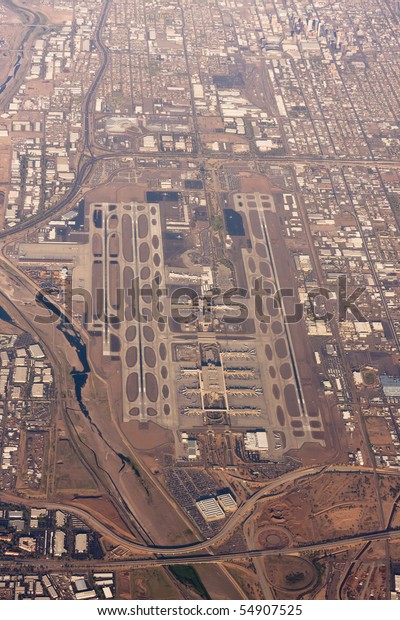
[[87, 163], [33, 22], [88, 159], [323, 546], [89, 126], [108, 529], [188, 553], [130, 544]]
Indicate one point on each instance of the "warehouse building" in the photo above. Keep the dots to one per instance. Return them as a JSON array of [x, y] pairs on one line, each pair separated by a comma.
[[210, 509], [391, 386], [36, 352], [81, 543], [59, 543], [255, 441], [227, 502]]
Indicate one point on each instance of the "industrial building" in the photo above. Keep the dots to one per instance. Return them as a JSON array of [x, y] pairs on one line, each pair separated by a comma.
[[20, 375], [88, 594], [390, 385], [227, 502], [81, 543], [255, 441], [59, 543], [192, 449], [37, 390], [107, 592], [36, 352], [210, 509]]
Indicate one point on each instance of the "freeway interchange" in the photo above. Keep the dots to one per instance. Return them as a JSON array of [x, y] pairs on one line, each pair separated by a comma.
[[182, 554], [159, 555]]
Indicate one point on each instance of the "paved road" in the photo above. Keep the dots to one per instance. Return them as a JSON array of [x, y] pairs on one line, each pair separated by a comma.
[[84, 170], [87, 164], [106, 528], [88, 159], [62, 565]]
